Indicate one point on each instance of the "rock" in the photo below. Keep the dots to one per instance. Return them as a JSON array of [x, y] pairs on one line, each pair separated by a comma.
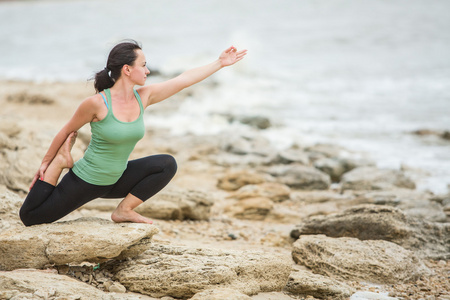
[[372, 222], [370, 178], [333, 167], [220, 294], [233, 160], [247, 144], [336, 167], [445, 135], [10, 204], [300, 177], [292, 155], [234, 180], [6, 142], [414, 203], [117, 288], [85, 239], [250, 208], [37, 284], [327, 150], [178, 204], [424, 132], [426, 210], [256, 121], [394, 197], [371, 296], [365, 222], [181, 272], [100, 204], [15, 171], [274, 191], [315, 197], [169, 204], [351, 259], [303, 282], [22, 157], [10, 126], [24, 97]]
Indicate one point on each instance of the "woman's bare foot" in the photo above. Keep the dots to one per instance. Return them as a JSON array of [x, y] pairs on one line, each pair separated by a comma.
[[63, 157], [121, 215], [62, 160], [125, 211]]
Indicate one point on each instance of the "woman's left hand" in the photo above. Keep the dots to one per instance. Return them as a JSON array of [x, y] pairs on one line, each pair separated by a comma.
[[231, 56]]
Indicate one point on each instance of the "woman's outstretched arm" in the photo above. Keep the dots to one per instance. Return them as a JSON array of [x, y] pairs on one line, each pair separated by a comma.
[[157, 92]]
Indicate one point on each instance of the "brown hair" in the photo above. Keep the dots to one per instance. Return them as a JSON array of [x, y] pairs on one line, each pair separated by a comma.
[[122, 54]]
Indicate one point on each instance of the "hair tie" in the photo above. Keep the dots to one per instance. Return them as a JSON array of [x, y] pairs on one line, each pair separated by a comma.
[[108, 70]]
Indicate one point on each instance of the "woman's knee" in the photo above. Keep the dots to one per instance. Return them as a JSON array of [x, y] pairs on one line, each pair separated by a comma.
[[170, 164], [24, 215]]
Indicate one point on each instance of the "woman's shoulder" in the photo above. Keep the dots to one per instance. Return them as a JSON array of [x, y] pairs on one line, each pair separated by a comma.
[[93, 104], [94, 100], [144, 93]]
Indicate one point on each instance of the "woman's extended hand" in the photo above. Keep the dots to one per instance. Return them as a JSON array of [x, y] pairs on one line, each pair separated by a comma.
[[231, 56]]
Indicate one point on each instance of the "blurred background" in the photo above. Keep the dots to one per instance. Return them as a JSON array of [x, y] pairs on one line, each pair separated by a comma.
[[366, 75]]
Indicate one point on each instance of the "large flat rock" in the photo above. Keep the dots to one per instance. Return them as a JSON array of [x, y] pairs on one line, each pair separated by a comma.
[[352, 259], [181, 272], [85, 239], [380, 222]]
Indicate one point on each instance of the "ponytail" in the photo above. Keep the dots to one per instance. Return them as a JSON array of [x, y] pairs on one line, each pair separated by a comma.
[[122, 54], [103, 80]]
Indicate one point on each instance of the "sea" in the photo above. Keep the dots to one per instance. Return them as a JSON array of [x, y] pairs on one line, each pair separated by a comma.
[[362, 74]]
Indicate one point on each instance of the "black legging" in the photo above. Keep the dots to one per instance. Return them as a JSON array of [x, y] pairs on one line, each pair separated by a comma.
[[143, 178]]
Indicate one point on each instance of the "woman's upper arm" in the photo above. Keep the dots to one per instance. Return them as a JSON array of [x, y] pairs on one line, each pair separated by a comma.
[[158, 92], [84, 114]]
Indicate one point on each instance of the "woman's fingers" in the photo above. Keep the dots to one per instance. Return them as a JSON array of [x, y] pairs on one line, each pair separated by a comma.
[[34, 181]]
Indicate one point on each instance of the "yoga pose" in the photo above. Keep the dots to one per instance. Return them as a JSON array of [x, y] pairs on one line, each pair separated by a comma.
[[115, 114]]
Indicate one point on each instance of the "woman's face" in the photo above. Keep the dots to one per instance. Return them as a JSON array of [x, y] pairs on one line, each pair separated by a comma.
[[139, 70]]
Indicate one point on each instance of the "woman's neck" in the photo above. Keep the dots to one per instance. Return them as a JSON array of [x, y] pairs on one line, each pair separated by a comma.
[[123, 90]]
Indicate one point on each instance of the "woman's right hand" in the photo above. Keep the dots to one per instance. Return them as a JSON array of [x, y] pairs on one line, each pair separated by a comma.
[[39, 174]]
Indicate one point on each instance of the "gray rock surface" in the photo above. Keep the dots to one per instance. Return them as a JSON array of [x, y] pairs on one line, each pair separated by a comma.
[[371, 178], [300, 177]]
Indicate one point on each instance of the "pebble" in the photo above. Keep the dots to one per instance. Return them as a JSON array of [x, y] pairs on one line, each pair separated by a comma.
[[117, 288]]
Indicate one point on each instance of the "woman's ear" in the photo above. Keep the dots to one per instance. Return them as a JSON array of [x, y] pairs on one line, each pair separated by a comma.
[[126, 70]]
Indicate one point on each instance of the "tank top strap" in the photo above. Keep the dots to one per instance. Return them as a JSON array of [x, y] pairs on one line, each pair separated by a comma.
[[108, 97], [104, 99], [136, 94]]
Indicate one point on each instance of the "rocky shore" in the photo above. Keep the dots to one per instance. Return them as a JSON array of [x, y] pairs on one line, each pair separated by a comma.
[[241, 219]]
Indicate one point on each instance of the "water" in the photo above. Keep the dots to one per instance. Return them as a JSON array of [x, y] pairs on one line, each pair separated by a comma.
[[363, 74]]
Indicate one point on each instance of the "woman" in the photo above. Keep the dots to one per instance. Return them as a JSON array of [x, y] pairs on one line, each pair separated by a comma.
[[115, 114]]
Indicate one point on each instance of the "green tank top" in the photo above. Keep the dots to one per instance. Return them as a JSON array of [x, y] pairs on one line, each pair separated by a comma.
[[111, 144]]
